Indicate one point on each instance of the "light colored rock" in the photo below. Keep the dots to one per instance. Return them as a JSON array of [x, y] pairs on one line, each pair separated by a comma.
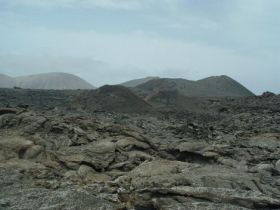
[[84, 171], [14, 143], [14, 146], [248, 199], [210, 154], [33, 151], [277, 165], [70, 173], [191, 147], [97, 154], [20, 164], [266, 141], [264, 167], [128, 142]]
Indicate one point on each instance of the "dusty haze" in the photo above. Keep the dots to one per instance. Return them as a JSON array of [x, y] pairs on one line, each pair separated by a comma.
[[109, 41]]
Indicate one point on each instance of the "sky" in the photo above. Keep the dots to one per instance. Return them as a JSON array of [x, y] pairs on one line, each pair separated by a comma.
[[111, 41]]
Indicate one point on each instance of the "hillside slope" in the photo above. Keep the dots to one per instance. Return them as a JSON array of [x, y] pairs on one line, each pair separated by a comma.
[[220, 86], [136, 82], [6, 81], [113, 98], [58, 81]]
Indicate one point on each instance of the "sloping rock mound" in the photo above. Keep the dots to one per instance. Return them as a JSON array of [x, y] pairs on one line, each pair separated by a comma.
[[220, 86], [268, 94], [174, 100], [195, 186], [6, 81], [56, 81], [113, 98]]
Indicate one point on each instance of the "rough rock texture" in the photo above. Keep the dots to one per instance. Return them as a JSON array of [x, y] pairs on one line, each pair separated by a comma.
[[63, 157]]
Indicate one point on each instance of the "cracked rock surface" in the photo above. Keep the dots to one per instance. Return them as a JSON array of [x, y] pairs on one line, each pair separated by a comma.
[[226, 157]]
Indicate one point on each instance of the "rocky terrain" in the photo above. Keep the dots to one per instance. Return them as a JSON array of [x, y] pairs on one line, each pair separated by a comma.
[[73, 150]]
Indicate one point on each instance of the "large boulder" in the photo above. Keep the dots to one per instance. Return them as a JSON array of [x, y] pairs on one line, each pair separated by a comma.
[[221, 185]]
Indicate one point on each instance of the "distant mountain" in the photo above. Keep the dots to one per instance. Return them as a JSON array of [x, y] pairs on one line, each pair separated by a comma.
[[217, 86], [136, 82], [115, 98], [222, 86], [55, 81], [6, 81]]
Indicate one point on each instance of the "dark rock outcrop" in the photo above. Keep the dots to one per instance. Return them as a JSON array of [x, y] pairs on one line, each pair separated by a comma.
[[113, 98], [221, 86]]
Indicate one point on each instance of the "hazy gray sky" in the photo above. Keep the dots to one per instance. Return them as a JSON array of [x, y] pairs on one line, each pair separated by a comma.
[[110, 41]]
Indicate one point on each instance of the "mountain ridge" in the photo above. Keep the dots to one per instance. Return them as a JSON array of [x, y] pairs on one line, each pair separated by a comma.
[[52, 81], [215, 86], [136, 82]]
